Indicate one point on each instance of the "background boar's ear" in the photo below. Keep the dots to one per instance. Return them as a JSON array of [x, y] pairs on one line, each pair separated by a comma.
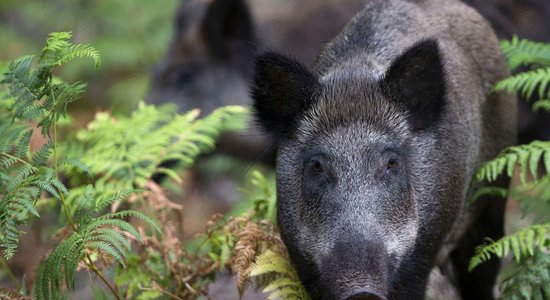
[[416, 80], [225, 23], [281, 91]]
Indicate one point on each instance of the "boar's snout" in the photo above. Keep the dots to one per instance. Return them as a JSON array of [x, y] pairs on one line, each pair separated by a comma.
[[364, 294], [357, 267]]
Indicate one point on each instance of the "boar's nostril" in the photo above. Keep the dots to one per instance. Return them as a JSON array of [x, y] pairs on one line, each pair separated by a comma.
[[364, 295]]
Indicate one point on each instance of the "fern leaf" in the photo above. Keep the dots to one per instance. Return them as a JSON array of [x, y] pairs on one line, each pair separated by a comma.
[[40, 157], [60, 266], [521, 52], [107, 220], [527, 82], [112, 236], [109, 249], [107, 199], [543, 104], [524, 155], [9, 135], [287, 284], [489, 191], [77, 164], [6, 161], [22, 146], [522, 243], [284, 293], [59, 50], [278, 284], [80, 50], [132, 213]]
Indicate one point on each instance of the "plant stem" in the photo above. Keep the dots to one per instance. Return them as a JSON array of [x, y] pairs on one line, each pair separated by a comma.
[[162, 291], [18, 159], [88, 263], [54, 143], [92, 267], [10, 274]]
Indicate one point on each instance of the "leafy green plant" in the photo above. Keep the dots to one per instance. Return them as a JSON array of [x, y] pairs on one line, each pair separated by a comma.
[[535, 81], [528, 277], [33, 96], [89, 175]]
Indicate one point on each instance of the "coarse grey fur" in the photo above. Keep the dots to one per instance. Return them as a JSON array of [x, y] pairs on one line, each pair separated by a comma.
[[356, 235]]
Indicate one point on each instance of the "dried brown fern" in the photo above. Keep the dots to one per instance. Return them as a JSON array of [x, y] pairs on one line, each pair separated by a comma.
[[11, 294], [245, 252]]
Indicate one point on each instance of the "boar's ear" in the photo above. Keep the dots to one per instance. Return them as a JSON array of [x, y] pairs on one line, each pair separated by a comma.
[[226, 22], [282, 90], [416, 80]]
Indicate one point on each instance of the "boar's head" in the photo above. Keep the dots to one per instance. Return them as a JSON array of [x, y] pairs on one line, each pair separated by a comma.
[[357, 190]]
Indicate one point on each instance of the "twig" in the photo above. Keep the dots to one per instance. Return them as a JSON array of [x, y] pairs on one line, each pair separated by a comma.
[[162, 291], [10, 274]]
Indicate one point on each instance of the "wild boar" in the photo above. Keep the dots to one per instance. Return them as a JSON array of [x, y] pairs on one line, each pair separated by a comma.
[[378, 143]]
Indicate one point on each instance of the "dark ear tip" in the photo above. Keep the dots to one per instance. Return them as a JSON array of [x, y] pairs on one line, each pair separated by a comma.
[[428, 44], [275, 59], [426, 49]]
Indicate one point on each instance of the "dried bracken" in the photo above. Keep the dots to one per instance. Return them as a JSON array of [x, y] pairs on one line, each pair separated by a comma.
[[11, 294]]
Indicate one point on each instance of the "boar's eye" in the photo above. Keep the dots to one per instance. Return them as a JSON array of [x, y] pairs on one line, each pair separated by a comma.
[[316, 166], [392, 164], [313, 166]]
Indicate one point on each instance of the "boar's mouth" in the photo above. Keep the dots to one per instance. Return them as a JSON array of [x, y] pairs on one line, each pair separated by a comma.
[[364, 294]]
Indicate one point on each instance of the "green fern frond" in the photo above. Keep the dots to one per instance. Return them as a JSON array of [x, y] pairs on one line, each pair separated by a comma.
[[112, 236], [104, 234], [59, 267], [59, 50], [80, 50], [543, 104], [22, 145], [9, 134], [41, 156], [527, 83], [286, 283], [109, 248], [108, 198], [522, 52], [522, 243], [75, 164], [136, 214], [128, 151], [527, 156], [37, 96], [489, 191]]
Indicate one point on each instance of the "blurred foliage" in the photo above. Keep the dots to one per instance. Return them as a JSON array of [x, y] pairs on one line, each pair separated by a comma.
[[99, 182], [131, 36], [100, 178]]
